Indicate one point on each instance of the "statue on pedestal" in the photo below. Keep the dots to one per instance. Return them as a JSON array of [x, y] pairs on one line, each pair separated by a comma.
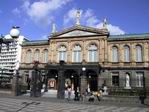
[[127, 86]]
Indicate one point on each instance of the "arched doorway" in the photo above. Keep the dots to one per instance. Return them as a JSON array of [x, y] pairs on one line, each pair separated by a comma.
[[71, 79], [92, 80], [52, 78]]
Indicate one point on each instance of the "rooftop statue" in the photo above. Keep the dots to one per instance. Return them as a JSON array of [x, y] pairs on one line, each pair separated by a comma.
[[78, 14]]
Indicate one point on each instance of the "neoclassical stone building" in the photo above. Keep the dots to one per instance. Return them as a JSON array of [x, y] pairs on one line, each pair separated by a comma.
[[92, 57]]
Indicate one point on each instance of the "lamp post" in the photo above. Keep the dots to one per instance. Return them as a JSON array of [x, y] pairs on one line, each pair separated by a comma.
[[36, 81], [61, 82], [83, 81], [14, 33], [143, 92]]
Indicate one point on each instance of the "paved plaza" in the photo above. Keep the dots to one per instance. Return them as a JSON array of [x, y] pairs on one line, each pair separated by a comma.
[[14, 104]]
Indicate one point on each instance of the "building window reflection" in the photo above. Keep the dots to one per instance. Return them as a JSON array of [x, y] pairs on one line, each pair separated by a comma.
[[114, 54], [29, 56], [45, 56], [77, 56], [62, 54], [139, 79], [37, 54], [92, 53], [126, 53], [138, 53]]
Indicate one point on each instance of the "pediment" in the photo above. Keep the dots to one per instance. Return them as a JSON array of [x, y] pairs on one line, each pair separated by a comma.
[[78, 31]]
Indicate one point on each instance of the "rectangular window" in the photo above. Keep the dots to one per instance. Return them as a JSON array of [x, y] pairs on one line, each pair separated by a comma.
[[139, 79], [115, 79]]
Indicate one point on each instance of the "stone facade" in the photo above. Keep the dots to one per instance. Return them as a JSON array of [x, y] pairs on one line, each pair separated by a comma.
[[104, 69]]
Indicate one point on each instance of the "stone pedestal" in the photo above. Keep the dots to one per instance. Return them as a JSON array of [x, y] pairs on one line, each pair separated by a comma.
[[83, 84], [15, 86]]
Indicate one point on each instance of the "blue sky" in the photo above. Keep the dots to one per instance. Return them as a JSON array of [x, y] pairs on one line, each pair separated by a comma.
[[34, 17]]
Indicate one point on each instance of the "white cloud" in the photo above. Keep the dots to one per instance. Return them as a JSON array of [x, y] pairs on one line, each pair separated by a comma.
[[16, 12], [114, 30], [88, 18], [44, 37], [41, 12]]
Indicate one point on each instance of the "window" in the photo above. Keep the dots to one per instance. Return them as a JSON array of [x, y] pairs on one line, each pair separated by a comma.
[[138, 53], [77, 54], [62, 53], [92, 53], [29, 56], [45, 56], [37, 53], [115, 79], [139, 79], [114, 54], [126, 54]]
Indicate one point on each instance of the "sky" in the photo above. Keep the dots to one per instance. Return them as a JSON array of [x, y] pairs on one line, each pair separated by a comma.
[[35, 17]]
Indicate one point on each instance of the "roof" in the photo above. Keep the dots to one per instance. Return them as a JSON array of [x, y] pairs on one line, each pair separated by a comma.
[[81, 28], [35, 43], [129, 37]]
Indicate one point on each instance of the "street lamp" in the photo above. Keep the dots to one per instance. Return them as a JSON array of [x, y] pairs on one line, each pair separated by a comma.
[[143, 92], [36, 81], [11, 38], [61, 81], [83, 81], [15, 33]]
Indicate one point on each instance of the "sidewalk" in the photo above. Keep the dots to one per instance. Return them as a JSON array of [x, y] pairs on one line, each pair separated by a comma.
[[107, 100]]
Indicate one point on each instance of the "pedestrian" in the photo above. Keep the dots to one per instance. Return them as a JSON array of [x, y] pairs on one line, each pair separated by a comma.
[[99, 95], [142, 96], [91, 98], [69, 92]]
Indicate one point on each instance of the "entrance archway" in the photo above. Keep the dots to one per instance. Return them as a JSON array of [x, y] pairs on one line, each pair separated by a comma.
[[71, 79], [52, 79], [92, 80]]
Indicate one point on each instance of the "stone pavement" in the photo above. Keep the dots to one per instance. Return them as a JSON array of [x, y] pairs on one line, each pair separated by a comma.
[[27, 104]]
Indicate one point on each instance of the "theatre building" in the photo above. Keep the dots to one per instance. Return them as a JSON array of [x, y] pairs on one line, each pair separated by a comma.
[[86, 57]]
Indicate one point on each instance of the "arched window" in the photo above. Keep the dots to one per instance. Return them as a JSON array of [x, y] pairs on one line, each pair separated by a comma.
[[77, 56], [138, 53], [62, 54], [114, 54], [29, 56], [126, 53], [37, 54], [45, 56], [92, 53]]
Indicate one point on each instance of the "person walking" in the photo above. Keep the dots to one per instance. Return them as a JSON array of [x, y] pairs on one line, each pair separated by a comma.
[[69, 92]]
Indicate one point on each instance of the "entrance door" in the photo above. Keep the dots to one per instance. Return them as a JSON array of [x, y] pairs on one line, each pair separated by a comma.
[[93, 81]]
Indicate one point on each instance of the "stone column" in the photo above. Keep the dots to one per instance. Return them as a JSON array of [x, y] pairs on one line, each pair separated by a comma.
[[121, 79], [15, 84], [83, 83], [101, 79], [133, 79], [61, 82], [61, 85]]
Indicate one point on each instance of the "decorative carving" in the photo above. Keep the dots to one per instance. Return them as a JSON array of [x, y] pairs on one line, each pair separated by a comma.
[[77, 33]]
